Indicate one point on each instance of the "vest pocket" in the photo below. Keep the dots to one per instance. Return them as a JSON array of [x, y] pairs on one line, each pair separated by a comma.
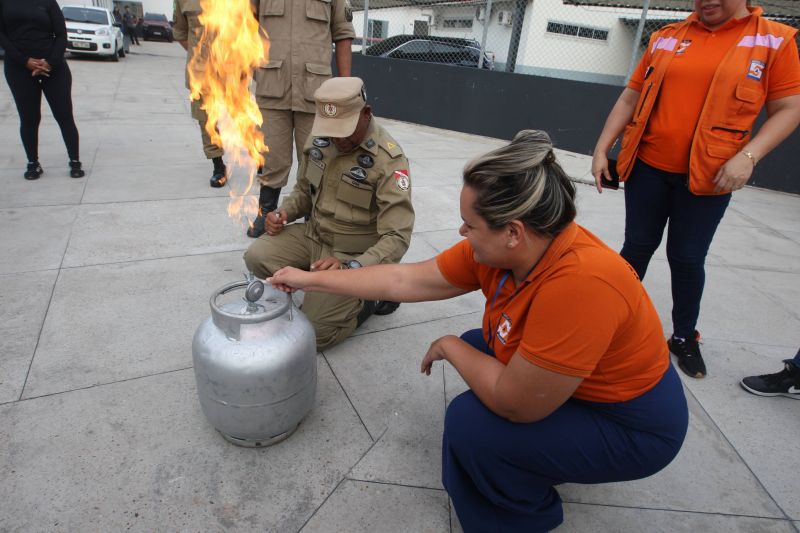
[[319, 10], [626, 135], [271, 8], [722, 151], [316, 73], [749, 100], [314, 176], [353, 202], [271, 80]]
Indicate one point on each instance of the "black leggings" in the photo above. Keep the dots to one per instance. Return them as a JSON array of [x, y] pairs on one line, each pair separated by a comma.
[[27, 91]]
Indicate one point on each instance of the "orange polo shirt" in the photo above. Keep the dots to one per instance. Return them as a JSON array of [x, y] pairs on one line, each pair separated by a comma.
[[668, 137], [581, 312]]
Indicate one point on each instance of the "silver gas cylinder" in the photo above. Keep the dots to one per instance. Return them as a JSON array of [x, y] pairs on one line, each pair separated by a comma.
[[255, 365]]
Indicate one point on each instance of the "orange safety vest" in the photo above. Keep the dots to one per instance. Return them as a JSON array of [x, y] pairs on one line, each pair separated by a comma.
[[737, 93]]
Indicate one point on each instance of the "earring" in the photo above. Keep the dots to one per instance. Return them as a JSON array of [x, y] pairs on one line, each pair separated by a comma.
[[509, 245]]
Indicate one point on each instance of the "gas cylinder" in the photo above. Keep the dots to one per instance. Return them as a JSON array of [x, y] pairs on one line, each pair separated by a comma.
[[255, 364]]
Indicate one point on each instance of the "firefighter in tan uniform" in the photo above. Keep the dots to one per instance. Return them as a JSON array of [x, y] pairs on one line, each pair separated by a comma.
[[187, 31], [354, 187], [300, 34]]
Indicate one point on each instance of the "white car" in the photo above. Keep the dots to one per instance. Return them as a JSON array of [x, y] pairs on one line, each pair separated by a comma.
[[91, 31]]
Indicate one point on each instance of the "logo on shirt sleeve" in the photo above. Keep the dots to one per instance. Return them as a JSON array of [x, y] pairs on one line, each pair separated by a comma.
[[504, 329], [402, 180], [756, 69]]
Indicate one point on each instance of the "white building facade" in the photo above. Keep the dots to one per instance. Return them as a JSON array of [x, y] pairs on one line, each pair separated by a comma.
[[585, 43]]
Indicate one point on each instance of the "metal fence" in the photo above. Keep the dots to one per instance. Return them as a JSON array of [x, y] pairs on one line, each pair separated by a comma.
[[586, 40]]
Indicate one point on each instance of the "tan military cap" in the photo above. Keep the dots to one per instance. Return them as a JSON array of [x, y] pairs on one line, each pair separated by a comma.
[[339, 103]]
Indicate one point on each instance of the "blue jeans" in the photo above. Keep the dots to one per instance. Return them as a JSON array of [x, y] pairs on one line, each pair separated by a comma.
[[796, 360], [652, 197], [501, 475]]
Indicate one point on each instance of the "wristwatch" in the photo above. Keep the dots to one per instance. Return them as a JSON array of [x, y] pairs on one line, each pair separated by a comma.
[[352, 263]]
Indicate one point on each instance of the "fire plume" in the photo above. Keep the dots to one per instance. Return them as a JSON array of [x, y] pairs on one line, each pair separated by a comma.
[[220, 73]]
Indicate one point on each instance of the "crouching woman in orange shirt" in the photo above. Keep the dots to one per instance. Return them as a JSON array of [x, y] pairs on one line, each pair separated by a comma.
[[570, 380]]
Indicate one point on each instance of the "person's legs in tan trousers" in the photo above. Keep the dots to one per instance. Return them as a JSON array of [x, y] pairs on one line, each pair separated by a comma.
[[279, 127], [334, 317], [219, 176]]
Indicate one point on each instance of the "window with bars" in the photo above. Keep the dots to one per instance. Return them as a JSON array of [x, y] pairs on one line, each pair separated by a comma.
[[584, 32], [457, 23]]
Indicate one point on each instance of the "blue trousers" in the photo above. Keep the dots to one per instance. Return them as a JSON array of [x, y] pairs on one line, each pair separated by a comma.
[[796, 360], [652, 197], [501, 475]]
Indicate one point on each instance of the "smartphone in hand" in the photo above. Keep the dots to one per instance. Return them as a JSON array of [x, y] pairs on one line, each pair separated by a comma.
[[613, 183]]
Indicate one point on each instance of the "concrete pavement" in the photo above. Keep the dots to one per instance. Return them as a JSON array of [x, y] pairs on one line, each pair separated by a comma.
[[104, 279]]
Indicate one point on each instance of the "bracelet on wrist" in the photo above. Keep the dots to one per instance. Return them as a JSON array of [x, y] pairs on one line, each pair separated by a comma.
[[750, 156]]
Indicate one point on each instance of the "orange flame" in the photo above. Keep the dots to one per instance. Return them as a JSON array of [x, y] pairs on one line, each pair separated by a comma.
[[220, 74]]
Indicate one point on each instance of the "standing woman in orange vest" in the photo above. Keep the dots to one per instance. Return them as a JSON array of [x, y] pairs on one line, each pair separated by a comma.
[[687, 115]]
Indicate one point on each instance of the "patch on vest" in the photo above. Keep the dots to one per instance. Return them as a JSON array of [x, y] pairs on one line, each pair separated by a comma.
[[756, 69], [402, 179], [683, 46], [358, 173], [348, 11], [366, 161], [503, 329]]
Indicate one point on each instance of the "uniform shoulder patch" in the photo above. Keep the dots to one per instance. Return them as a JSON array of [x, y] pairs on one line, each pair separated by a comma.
[[391, 147], [402, 179], [348, 11]]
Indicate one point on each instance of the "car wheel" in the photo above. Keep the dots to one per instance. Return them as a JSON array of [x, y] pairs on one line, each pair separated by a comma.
[[121, 52], [170, 39], [114, 55]]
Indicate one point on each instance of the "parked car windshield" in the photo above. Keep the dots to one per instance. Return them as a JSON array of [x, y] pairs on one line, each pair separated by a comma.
[[412, 47], [157, 17], [81, 14]]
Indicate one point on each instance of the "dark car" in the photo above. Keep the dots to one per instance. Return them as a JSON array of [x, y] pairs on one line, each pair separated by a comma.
[[156, 26], [432, 49]]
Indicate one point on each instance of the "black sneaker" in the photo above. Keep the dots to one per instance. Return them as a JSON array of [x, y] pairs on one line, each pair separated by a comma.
[[784, 383], [34, 171], [688, 353], [75, 170]]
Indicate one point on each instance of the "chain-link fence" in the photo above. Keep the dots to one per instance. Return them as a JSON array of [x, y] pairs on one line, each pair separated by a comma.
[[586, 40]]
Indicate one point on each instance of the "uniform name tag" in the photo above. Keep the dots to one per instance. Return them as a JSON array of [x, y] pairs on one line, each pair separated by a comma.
[[355, 183]]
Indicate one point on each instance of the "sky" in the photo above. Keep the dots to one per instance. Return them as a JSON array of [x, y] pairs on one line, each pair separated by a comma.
[[148, 6], [158, 6]]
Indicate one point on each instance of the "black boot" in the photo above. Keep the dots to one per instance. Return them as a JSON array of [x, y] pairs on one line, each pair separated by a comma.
[[372, 307], [367, 311], [267, 202], [33, 171], [75, 170], [220, 176], [385, 307]]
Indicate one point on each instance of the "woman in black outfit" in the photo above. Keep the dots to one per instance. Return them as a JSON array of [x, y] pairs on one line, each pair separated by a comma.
[[34, 36]]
